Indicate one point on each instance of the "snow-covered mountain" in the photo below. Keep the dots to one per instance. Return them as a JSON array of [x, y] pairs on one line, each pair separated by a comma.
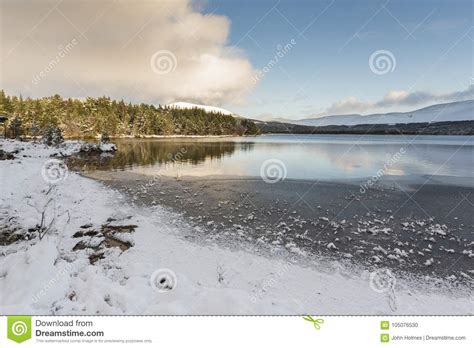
[[456, 111], [184, 105]]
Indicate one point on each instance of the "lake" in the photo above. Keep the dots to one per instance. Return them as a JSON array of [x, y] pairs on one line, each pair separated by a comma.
[[309, 157], [326, 202]]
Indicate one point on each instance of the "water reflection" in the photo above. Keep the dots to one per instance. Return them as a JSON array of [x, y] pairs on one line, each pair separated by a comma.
[[306, 157], [141, 153]]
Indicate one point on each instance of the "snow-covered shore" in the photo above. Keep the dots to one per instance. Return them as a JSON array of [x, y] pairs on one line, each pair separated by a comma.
[[45, 276]]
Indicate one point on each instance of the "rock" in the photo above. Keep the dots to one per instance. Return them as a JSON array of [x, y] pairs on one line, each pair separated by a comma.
[[95, 257], [4, 155], [97, 148]]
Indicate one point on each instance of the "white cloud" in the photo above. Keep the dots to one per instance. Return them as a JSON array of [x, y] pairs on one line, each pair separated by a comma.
[[395, 98], [401, 98], [112, 56], [350, 104]]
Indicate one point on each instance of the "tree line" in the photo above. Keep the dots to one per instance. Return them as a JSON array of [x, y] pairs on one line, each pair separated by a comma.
[[95, 116]]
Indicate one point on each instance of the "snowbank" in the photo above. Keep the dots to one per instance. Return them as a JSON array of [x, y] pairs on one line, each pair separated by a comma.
[[98, 148], [45, 276]]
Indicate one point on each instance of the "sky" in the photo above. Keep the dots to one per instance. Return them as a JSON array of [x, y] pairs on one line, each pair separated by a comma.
[[262, 59]]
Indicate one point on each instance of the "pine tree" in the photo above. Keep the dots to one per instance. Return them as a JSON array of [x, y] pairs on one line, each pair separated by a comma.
[[76, 118]]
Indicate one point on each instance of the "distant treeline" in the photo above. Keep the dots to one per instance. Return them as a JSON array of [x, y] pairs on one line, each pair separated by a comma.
[[435, 128], [94, 116]]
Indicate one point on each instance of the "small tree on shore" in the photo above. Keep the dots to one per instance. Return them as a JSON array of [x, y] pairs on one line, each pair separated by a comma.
[[53, 136], [15, 127], [34, 131], [104, 137]]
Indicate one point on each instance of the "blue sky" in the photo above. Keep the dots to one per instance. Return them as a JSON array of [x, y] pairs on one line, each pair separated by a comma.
[[431, 42]]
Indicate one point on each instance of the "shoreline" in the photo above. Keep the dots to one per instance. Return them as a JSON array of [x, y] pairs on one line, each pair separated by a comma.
[[179, 136], [332, 219], [211, 279]]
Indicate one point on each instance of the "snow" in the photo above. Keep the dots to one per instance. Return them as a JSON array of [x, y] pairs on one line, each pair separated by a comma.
[[46, 277], [429, 262], [107, 147], [184, 105], [457, 111]]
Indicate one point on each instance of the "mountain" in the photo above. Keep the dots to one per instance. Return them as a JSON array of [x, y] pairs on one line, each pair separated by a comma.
[[184, 105], [457, 111]]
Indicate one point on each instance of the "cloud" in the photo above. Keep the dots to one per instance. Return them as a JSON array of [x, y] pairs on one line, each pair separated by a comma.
[[110, 49], [394, 98], [401, 98], [350, 104]]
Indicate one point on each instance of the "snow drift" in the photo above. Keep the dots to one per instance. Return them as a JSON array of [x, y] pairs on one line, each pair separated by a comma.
[[48, 276]]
